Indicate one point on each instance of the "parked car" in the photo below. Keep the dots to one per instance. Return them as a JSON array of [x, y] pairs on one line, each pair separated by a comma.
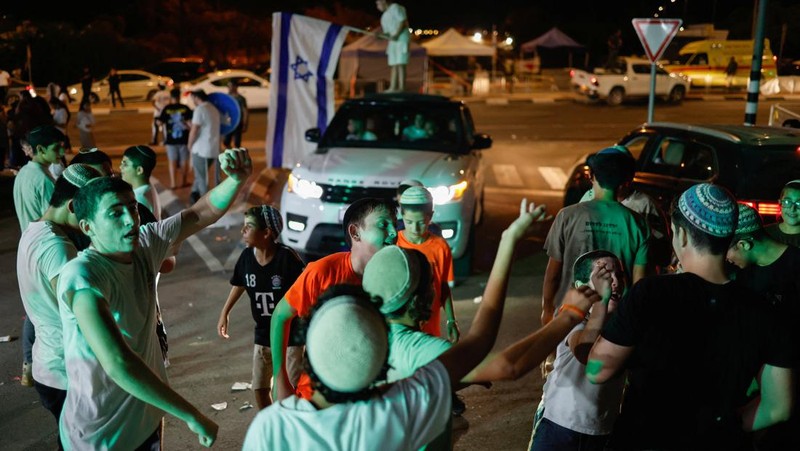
[[16, 85], [630, 78], [752, 162], [254, 88], [180, 69], [447, 161], [133, 84]]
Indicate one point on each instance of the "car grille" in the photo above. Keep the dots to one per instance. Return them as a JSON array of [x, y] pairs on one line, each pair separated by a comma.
[[348, 194]]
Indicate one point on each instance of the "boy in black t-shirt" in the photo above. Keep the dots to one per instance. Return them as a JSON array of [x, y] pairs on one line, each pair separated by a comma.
[[266, 269], [693, 343]]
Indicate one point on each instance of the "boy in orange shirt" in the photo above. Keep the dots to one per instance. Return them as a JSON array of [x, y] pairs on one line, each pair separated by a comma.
[[416, 209]]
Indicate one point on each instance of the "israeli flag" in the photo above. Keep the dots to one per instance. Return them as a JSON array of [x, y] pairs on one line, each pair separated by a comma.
[[305, 53]]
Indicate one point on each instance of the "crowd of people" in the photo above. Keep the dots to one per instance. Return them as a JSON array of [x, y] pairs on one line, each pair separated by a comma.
[[642, 345]]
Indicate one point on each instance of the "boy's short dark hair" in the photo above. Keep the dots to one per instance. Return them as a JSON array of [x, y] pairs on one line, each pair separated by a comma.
[[175, 93], [44, 135], [612, 167], [92, 156], [200, 94], [142, 156], [360, 209], [88, 198], [582, 268]]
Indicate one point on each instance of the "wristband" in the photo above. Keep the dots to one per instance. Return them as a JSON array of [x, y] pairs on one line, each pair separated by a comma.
[[451, 321], [573, 309]]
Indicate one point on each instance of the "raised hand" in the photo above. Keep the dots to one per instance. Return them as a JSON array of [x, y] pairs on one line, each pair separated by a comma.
[[602, 280], [236, 163], [528, 214]]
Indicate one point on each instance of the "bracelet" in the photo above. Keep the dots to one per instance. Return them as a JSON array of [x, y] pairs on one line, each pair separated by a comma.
[[574, 309]]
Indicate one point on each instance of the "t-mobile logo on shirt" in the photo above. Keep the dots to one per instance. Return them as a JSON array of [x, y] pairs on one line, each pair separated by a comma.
[[266, 303]]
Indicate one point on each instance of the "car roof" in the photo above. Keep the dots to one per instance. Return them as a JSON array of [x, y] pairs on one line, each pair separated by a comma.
[[742, 134], [401, 97]]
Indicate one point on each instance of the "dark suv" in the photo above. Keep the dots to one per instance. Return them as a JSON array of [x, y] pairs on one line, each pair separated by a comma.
[[752, 162]]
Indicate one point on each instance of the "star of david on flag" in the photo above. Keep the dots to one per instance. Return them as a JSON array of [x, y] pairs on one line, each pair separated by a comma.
[[305, 52]]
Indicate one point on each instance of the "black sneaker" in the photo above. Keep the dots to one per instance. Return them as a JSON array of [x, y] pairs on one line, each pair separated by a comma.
[[458, 405]]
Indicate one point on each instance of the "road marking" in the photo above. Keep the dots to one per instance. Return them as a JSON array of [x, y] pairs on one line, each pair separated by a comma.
[[171, 203], [554, 176], [506, 174]]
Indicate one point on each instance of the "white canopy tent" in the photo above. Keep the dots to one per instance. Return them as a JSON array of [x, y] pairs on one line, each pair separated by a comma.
[[364, 62], [453, 43]]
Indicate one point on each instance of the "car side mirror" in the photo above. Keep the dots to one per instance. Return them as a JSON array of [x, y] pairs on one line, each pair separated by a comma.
[[312, 135], [481, 141]]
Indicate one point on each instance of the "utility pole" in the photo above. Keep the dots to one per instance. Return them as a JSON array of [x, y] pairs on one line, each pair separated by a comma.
[[751, 108]]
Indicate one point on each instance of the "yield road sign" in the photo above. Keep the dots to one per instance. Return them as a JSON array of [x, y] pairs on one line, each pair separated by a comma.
[[656, 34]]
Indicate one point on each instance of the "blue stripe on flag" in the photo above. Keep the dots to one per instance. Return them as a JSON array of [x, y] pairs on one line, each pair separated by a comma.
[[283, 80], [322, 88]]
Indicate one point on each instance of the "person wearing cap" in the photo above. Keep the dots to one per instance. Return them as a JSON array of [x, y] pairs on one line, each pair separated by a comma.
[[203, 142], [602, 223], [117, 390], [368, 226], [416, 210], [402, 282], [161, 99], [235, 136], [404, 185], [44, 249], [693, 343], [347, 352], [788, 229], [265, 269], [33, 188], [769, 267], [659, 246], [176, 119]]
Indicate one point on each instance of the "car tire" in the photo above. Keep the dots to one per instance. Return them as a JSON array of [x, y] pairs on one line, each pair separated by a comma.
[[616, 96], [677, 94]]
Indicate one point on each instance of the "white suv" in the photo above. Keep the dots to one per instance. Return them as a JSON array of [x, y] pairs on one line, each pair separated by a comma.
[[443, 152]]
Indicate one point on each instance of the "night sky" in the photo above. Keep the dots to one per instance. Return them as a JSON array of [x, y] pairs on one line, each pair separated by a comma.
[[589, 22]]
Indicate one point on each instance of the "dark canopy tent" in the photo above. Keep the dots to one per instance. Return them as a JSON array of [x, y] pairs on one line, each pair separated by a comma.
[[553, 39]]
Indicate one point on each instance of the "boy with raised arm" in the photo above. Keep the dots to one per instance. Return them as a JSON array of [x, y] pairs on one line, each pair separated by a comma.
[[117, 385]]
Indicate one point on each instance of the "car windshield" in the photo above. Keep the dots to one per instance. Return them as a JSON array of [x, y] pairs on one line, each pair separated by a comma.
[[412, 126], [768, 169]]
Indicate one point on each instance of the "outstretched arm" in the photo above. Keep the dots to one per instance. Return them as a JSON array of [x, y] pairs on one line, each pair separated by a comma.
[[473, 347], [520, 358], [236, 164], [127, 369]]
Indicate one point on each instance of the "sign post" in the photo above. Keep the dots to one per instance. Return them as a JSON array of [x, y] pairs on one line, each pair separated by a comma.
[[655, 35]]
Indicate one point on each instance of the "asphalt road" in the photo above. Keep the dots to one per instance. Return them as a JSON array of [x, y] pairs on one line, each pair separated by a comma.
[[535, 145]]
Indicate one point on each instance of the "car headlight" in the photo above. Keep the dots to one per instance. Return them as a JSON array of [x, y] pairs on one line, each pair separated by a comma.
[[304, 188], [443, 194]]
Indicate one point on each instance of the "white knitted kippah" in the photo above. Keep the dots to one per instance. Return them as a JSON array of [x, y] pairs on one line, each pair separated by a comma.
[[416, 195], [79, 174], [347, 344], [393, 275]]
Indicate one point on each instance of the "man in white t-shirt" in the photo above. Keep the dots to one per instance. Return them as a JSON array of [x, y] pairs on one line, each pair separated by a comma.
[[33, 187], [204, 142], [347, 356], [44, 249], [117, 386]]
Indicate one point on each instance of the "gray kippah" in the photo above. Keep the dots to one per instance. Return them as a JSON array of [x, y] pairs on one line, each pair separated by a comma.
[[79, 174], [416, 195], [393, 275]]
